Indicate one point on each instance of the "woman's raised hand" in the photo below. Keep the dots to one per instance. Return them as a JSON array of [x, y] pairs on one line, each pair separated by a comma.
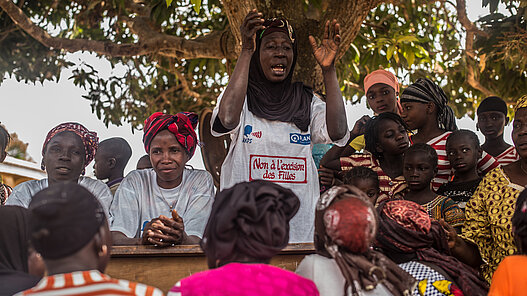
[[251, 24], [326, 53]]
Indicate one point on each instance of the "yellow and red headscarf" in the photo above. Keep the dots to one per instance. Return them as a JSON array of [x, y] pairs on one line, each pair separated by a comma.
[[182, 125]]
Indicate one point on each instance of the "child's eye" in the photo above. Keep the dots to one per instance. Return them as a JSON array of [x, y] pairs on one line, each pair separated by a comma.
[[385, 92], [465, 150], [371, 97]]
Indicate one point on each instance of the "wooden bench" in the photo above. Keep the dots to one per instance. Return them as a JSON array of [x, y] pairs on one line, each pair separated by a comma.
[[162, 268]]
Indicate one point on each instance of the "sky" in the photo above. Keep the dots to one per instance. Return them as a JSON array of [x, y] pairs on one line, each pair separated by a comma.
[[32, 110]]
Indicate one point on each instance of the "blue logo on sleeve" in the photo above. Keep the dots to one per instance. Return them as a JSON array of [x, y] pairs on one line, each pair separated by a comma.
[[302, 139]]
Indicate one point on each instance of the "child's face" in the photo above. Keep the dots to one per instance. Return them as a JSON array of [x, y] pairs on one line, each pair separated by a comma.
[[492, 124], [392, 138], [382, 98], [415, 114], [367, 186], [519, 132], [418, 171], [462, 153], [101, 166]]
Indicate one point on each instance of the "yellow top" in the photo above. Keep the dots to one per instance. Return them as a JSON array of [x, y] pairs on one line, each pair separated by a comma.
[[358, 143], [488, 219]]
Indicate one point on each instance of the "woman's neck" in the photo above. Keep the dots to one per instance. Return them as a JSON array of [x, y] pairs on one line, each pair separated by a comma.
[[495, 146], [427, 132], [460, 177], [392, 165]]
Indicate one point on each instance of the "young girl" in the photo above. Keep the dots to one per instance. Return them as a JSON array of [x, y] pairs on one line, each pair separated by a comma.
[[463, 152], [366, 180], [492, 119], [5, 190], [510, 277], [425, 109], [420, 167], [386, 141]]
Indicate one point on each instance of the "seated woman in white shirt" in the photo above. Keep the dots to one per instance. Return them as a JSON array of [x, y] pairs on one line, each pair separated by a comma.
[[68, 149], [167, 204]]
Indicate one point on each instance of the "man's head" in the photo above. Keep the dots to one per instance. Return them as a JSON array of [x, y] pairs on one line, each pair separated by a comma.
[[111, 158], [69, 229]]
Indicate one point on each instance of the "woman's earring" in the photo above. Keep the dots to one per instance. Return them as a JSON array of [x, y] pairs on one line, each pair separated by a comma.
[[83, 172], [42, 166], [104, 251]]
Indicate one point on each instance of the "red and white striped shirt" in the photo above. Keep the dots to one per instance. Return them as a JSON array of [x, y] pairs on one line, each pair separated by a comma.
[[510, 155], [444, 170], [88, 283]]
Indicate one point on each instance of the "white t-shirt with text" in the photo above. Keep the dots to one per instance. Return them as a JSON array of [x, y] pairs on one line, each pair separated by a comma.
[[279, 152]]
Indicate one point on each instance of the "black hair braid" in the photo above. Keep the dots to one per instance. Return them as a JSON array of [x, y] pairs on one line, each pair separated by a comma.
[[4, 136]]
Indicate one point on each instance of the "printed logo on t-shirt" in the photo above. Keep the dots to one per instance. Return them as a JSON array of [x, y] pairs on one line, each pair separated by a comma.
[[248, 134], [280, 169], [302, 139]]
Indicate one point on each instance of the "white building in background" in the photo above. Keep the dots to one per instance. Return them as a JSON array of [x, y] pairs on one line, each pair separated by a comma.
[[15, 171]]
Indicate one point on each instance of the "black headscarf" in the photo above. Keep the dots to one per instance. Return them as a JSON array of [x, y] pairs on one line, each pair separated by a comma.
[[251, 218], [282, 101], [14, 245], [425, 90]]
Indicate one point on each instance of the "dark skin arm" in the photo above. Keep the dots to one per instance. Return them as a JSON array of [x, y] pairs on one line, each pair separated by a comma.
[[464, 251], [234, 96], [325, 55]]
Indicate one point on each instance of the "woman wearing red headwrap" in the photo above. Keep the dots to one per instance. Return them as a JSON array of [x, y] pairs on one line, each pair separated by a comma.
[[273, 122], [168, 204]]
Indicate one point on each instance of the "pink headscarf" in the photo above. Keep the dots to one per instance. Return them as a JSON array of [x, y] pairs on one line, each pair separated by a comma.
[[386, 77]]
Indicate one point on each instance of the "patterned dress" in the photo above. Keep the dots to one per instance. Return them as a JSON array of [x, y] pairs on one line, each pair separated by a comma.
[[5, 191], [443, 207], [430, 282], [488, 219]]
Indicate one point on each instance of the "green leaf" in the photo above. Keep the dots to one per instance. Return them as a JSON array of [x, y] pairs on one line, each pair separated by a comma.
[[389, 52], [197, 5], [169, 2]]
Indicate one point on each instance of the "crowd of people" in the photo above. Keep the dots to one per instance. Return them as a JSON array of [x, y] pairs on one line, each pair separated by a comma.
[[404, 203]]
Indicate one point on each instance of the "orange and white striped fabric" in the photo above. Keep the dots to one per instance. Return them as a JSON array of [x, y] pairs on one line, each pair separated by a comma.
[[88, 283], [508, 156], [444, 170]]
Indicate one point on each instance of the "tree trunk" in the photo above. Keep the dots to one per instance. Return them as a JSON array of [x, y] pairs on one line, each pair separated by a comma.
[[306, 20]]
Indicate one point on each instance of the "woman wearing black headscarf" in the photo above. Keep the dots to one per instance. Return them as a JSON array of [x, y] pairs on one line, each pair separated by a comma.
[[16, 260], [273, 122], [248, 225]]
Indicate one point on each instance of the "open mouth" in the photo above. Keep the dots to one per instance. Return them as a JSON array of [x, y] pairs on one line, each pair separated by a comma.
[[278, 69]]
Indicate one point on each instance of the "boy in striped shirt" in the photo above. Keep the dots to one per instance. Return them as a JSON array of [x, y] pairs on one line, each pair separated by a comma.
[[70, 230]]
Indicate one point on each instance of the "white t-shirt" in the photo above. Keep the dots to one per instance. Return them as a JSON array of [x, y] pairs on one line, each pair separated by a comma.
[[326, 274], [23, 192], [139, 199], [279, 152]]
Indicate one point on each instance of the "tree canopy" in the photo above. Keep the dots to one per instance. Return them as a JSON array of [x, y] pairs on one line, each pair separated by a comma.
[[178, 54]]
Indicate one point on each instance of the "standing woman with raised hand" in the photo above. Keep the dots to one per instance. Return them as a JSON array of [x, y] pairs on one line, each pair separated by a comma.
[[273, 122]]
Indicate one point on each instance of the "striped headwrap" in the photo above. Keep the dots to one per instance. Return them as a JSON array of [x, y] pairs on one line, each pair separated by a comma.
[[425, 91], [88, 138], [521, 103], [182, 125]]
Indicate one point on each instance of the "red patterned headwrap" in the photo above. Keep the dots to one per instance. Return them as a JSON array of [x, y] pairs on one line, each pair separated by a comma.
[[88, 138], [182, 125]]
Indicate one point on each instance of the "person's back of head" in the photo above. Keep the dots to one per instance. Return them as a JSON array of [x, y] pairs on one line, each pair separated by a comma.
[[144, 163], [69, 229], [249, 223], [5, 138], [112, 157]]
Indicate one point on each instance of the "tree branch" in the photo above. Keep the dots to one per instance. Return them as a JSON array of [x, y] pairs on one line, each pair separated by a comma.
[[208, 46], [470, 55]]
